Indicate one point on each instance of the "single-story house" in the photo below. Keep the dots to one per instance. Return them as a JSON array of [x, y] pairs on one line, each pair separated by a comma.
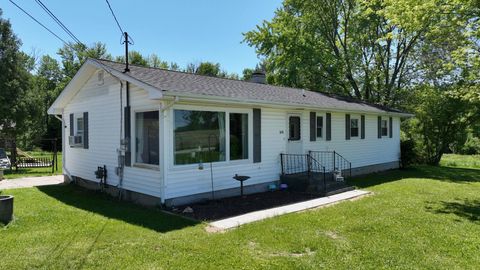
[[172, 137]]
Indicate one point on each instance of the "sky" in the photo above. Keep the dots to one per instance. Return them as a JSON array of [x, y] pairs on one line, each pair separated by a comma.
[[181, 31]]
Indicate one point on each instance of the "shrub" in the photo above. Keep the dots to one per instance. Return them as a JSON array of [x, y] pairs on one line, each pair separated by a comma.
[[471, 146], [408, 155]]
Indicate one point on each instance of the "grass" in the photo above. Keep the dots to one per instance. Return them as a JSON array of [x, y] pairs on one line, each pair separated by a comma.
[[461, 161], [421, 218], [33, 172]]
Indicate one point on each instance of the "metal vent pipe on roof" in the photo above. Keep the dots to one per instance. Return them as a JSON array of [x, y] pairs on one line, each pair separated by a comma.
[[258, 77]]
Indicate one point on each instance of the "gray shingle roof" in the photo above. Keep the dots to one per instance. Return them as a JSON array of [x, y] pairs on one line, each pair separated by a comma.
[[178, 83]]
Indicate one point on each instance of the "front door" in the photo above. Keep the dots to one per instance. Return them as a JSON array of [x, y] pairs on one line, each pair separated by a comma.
[[294, 142]]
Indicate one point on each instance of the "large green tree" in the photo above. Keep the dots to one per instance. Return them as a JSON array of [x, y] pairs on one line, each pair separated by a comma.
[[14, 82], [360, 48]]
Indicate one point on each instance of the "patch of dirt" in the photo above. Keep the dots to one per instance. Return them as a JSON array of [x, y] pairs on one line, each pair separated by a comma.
[[234, 206]]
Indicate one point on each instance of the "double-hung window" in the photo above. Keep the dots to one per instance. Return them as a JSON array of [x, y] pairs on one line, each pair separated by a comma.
[[354, 129], [384, 128], [201, 136], [319, 126]]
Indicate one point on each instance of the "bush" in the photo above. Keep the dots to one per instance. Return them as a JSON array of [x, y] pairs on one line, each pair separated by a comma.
[[408, 155], [471, 146]]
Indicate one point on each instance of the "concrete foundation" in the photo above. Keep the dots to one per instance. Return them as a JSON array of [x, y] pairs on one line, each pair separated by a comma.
[[224, 193], [375, 168], [148, 200], [127, 195]]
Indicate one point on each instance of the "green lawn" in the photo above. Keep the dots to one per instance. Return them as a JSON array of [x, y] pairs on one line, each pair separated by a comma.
[[461, 161], [420, 218], [31, 172]]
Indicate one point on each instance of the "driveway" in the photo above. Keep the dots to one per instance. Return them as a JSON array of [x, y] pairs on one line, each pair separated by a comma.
[[31, 182]]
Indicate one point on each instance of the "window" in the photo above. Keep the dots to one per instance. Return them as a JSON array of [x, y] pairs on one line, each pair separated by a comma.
[[147, 138], [238, 136], [294, 128], [354, 128], [384, 128], [199, 136], [319, 126], [79, 127]]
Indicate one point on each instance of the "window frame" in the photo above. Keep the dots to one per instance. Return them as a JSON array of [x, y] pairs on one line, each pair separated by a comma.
[[316, 126], [133, 126], [171, 136], [386, 127], [359, 131]]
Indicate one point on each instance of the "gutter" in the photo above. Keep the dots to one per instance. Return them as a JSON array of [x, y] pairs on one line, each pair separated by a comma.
[[273, 104]]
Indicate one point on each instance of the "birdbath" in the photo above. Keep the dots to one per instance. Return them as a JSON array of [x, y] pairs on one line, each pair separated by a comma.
[[241, 178]]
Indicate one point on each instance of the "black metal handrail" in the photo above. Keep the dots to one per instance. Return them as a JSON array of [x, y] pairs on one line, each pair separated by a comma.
[[333, 161], [294, 163]]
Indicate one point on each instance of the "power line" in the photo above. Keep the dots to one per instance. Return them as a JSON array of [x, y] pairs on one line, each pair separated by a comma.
[[45, 8], [115, 17], [46, 28]]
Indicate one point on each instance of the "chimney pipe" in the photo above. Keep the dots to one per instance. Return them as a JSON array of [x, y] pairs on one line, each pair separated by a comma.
[[258, 77]]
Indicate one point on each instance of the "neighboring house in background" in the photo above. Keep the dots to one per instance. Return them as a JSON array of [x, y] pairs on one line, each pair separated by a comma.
[[157, 130]]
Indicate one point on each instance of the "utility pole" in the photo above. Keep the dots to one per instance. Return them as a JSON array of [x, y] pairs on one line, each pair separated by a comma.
[[126, 42]]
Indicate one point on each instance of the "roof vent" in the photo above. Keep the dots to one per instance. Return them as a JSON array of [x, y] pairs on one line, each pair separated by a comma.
[[258, 77]]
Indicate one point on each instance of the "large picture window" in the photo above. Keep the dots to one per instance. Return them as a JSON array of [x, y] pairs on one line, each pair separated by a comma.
[[238, 136], [199, 136], [147, 137]]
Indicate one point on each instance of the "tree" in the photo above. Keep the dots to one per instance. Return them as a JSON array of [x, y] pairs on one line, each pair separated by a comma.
[[14, 82], [74, 55], [441, 115], [360, 48]]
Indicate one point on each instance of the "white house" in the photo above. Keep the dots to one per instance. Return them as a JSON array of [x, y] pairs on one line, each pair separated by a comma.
[[158, 131]]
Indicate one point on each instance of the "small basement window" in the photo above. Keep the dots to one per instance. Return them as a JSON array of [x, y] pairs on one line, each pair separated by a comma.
[[384, 128], [354, 129], [147, 137], [319, 126]]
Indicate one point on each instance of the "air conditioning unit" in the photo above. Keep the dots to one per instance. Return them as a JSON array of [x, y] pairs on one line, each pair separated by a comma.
[[75, 140]]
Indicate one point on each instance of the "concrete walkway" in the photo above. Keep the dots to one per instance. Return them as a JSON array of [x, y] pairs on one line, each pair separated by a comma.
[[233, 222], [31, 182]]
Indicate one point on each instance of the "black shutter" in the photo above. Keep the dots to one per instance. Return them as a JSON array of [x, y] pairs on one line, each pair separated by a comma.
[[362, 126], [128, 152], [257, 136], [85, 130], [313, 126], [379, 125], [390, 127], [328, 123], [347, 126], [72, 131]]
